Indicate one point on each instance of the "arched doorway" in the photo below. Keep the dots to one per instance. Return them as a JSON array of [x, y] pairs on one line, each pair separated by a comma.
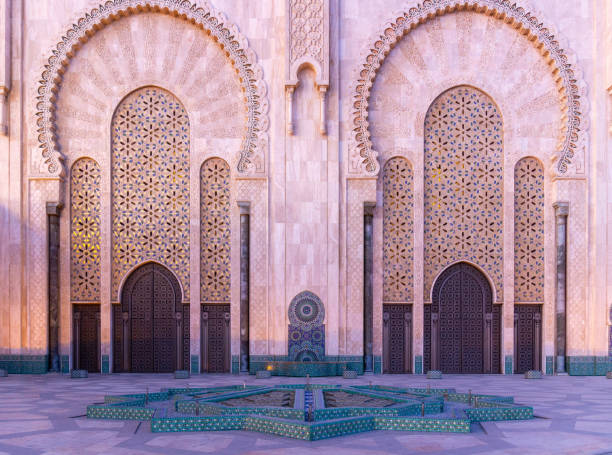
[[151, 304], [462, 332]]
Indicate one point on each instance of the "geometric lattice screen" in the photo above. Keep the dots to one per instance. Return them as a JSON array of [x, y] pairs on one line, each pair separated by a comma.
[[463, 192], [215, 238], [398, 228], [150, 185], [85, 231], [529, 231]]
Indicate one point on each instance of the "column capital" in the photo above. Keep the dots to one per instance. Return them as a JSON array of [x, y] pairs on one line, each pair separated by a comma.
[[54, 208], [561, 208], [368, 208], [245, 207]]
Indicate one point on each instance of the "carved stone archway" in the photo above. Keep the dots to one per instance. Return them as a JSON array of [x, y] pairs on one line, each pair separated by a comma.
[[363, 158], [225, 33]]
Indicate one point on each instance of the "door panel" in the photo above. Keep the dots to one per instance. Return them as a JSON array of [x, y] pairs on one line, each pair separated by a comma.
[[397, 335], [86, 337], [216, 338], [527, 337]]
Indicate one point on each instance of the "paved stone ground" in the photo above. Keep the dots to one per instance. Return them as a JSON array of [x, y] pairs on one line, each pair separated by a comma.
[[40, 415]]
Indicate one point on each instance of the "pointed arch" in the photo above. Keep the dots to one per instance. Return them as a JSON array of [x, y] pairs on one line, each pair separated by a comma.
[[204, 16], [564, 68]]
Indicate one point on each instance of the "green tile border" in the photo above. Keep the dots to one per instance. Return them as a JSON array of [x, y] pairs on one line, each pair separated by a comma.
[[289, 421], [105, 364], [24, 364], [377, 364], [65, 362], [195, 364], [418, 364], [508, 367], [549, 365]]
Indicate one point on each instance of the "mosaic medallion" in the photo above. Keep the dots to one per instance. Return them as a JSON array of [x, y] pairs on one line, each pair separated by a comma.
[[306, 329]]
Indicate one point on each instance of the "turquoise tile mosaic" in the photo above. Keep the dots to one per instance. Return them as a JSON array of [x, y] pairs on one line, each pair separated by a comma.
[[549, 365], [418, 364], [195, 364], [286, 410], [508, 368], [105, 364], [65, 362], [24, 364]]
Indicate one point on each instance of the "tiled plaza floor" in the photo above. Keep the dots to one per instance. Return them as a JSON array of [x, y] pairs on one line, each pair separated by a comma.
[[40, 415]]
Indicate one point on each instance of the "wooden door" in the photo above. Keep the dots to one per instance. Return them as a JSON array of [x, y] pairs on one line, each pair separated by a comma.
[[397, 338]]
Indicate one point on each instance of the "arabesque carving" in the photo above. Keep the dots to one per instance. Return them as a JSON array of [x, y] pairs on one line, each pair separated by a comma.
[[255, 142], [545, 38]]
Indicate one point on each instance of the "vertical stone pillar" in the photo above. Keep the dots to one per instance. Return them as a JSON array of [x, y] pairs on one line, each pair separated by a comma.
[[5, 66], [561, 213], [244, 285], [368, 287], [53, 290]]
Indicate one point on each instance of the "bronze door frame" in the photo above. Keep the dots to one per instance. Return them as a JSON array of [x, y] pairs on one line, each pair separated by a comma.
[[161, 273]]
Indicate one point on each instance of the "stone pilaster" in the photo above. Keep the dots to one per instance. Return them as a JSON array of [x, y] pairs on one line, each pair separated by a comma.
[[561, 213], [368, 286], [53, 241], [5, 65], [244, 285]]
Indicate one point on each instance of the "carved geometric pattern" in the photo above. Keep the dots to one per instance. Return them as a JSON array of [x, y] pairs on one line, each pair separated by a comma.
[[398, 226], [306, 29], [542, 34], [215, 23], [85, 231], [150, 184], [463, 184], [215, 241], [528, 231]]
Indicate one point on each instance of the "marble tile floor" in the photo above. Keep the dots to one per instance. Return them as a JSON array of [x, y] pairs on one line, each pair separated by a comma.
[[44, 415]]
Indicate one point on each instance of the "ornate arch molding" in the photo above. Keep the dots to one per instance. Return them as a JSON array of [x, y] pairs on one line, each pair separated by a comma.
[[212, 21], [568, 77]]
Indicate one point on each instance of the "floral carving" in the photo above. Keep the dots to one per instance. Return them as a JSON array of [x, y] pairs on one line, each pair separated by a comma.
[[307, 29]]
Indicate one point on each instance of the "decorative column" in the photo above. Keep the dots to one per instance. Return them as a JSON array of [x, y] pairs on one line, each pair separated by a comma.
[[76, 340], [244, 285], [5, 65], [53, 213], [561, 213], [368, 287]]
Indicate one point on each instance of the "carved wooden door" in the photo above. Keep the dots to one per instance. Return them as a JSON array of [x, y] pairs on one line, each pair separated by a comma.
[[141, 322], [151, 321], [462, 322], [397, 338], [527, 337], [86, 337], [215, 338]]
